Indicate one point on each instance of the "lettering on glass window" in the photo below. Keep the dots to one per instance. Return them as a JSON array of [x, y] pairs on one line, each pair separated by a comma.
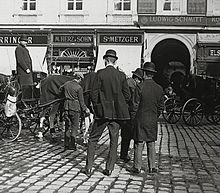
[[75, 5], [122, 5], [196, 6], [29, 5], [171, 5]]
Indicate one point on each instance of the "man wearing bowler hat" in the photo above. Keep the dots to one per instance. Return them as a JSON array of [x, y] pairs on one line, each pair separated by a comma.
[[110, 96], [147, 105], [23, 62]]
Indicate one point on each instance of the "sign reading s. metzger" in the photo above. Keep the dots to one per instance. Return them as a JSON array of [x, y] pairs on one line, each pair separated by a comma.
[[120, 39]]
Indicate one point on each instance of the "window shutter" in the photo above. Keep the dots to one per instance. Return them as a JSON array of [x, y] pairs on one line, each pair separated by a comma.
[[146, 6], [196, 6]]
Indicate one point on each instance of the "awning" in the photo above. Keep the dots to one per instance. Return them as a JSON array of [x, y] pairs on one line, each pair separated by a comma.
[[129, 57], [8, 61]]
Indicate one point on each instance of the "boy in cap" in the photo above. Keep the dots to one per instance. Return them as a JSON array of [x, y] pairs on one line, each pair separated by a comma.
[[73, 105]]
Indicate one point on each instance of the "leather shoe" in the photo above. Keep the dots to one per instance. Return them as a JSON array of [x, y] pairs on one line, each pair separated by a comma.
[[85, 171], [134, 170], [125, 159], [107, 172], [153, 170]]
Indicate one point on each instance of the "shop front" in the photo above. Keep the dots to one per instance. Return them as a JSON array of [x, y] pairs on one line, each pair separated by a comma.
[[37, 46], [127, 44], [71, 51], [208, 54]]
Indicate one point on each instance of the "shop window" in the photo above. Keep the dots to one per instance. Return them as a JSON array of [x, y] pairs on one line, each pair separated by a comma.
[[146, 6], [196, 6], [29, 5], [122, 5], [75, 5]]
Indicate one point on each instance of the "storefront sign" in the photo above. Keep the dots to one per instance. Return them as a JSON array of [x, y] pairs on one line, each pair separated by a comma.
[[214, 52], [121, 39], [156, 20], [9, 40], [73, 39], [213, 21], [152, 20], [208, 37]]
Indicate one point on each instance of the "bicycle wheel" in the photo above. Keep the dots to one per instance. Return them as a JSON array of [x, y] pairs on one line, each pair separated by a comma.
[[192, 112], [172, 112], [10, 127]]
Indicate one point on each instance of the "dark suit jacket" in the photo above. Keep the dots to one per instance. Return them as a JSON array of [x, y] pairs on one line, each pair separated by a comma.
[[110, 94], [24, 62], [147, 105]]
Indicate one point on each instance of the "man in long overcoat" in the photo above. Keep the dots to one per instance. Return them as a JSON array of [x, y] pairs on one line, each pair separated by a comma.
[[23, 62], [110, 96], [147, 105]]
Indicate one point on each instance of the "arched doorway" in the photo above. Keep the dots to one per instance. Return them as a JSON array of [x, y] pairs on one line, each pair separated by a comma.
[[170, 56]]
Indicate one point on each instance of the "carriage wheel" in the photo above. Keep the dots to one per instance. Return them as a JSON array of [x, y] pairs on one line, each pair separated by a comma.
[[192, 112], [10, 127], [172, 112], [216, 115]]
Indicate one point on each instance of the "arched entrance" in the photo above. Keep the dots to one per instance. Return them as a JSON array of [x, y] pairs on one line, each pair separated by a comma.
[[172, 59]]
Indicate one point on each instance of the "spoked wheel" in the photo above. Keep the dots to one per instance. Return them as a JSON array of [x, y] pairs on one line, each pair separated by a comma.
[[10, 127], [216, 115], [172, 112], [192, 112]]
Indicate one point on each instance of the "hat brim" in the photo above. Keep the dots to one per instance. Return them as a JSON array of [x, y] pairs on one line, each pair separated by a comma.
[[149, 70], [136, 74], [25, 40], [105, 56]]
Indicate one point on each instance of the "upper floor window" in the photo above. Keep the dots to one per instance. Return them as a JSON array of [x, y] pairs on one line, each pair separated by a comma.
[[216, 7], [75, 5], [122, 5], [171, 5], [29, 5], [196, 6], [146, 6]]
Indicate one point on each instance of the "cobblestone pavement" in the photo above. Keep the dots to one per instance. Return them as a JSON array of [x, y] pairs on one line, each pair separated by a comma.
[[188, 159]]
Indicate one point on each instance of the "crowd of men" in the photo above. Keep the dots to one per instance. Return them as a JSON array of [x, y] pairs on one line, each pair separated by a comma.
[[130, 105]]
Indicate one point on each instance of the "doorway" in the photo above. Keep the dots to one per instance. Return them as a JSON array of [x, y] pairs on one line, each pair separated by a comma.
[[172, 60]]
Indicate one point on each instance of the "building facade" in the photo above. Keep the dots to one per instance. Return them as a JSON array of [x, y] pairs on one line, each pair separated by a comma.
[[181, 37]]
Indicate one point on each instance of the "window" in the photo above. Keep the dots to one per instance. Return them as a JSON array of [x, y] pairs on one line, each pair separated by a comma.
[[146, 6], [196, 6], [216, 7], [75, 4], [122, 5], [29, 5], [171, 5]]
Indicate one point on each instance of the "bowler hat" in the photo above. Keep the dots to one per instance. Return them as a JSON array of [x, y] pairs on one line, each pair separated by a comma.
[[139, 73], [149, 66], [110, 53], [23, 38]]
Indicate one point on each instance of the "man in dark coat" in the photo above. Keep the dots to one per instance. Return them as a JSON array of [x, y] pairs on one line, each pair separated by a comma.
[[110, 95], [127, 129], [147, 105], [23, 62]]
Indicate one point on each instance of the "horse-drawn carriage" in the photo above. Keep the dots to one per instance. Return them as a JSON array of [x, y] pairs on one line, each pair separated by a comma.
[[32, 102], [200, 98]]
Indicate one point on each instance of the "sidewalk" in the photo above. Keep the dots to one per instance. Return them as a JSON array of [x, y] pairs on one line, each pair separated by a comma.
[[188, 161]]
